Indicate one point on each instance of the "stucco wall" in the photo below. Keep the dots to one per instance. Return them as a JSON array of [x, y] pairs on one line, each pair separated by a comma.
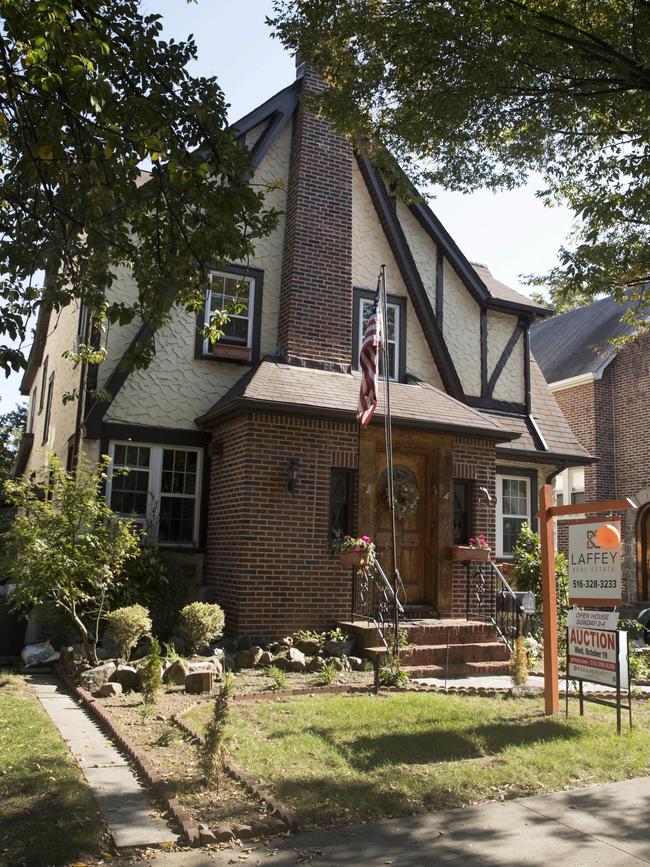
[[461, 327], [176, 387], [370, 250], [510, 385], [62, 336]]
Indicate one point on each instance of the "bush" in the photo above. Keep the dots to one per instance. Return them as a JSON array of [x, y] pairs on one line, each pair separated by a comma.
[[328, 674], [277, 675], [201, 622], [392, 674], [150, 676], [211, 750], [127, 626]]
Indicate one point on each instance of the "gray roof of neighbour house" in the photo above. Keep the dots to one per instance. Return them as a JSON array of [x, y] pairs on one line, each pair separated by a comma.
[[278, 387], [577, 342]]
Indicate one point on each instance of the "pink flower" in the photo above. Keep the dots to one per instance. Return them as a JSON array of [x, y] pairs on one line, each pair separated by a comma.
[[356, 548], [366, 539]]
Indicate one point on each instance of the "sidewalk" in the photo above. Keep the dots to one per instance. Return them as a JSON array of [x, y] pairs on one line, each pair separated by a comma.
[[598, 825]]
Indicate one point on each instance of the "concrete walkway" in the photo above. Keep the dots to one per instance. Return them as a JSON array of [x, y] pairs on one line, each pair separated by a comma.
[[599, 825], [121, 799]]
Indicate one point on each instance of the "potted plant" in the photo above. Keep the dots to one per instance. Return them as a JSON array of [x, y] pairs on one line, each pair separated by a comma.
[[356, 550], [477, 550]]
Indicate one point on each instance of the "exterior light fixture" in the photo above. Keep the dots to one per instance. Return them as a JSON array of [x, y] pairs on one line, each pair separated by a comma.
[[292, 480]]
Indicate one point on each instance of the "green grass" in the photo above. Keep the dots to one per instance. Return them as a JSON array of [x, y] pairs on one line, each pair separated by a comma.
[[47, 814], [336, 759]]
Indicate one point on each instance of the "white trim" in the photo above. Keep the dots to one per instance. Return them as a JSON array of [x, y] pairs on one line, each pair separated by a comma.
[[499, 510], [250, 312], [154, 492], [571, 381]]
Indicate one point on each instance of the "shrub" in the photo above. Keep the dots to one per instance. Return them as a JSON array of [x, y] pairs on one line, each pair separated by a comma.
[[150, 677], [639, 665], [328, 674], [127, 626], [519, 663], [201, 622], [212, 749], [277, 675], [392, 674]]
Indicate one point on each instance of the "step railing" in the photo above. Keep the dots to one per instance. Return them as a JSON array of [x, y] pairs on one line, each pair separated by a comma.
[[374, 600], [490, 598]]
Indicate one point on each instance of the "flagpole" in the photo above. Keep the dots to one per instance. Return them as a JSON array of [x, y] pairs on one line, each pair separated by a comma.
[[388, 426]]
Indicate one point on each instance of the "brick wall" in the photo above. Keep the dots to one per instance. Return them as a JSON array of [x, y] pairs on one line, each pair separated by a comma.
[[268, 553], [317, 262]]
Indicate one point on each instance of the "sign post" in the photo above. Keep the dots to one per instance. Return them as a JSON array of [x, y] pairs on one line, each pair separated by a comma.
[[547, 512]]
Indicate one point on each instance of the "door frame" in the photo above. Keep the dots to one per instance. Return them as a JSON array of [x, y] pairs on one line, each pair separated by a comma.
[[642, 549]]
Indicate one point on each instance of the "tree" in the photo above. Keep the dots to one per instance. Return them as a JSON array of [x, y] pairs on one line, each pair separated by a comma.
[[480, 93], [88, 91], [66, 547], [12, 425]]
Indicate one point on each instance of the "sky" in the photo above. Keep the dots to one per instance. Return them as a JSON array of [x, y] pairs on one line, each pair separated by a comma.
[[512, 233]]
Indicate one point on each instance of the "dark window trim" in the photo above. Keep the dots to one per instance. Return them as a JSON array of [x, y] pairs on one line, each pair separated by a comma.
[[525, 474], [48, 408], [400, 302], [44, 382], [241, 271]]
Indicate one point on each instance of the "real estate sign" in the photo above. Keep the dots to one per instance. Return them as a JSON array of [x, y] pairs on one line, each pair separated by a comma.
[[595, 649], [594, 572]]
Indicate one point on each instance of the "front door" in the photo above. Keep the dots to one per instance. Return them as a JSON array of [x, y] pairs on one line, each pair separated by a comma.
[[422, 471], [643, 553]]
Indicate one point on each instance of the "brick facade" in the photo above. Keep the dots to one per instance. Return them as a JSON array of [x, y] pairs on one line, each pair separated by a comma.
[[317, 262]]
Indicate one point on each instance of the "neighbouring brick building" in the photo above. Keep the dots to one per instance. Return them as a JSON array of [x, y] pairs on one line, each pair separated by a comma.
[[245, 458], [604, 393]]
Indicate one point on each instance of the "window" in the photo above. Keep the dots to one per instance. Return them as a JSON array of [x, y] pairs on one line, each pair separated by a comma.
[[340, 503], [43, 385], [513, 510], [158, 488], [395, 331], [231, 292], [32, 411], [569, 486], [48, 408], [462, 511]]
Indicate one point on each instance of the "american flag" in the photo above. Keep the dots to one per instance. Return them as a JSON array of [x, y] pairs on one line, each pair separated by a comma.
[[373, 339]]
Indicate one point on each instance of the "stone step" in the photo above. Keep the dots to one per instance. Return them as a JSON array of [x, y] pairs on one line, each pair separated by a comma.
[[458, 669], [424, 632], [440, 654]]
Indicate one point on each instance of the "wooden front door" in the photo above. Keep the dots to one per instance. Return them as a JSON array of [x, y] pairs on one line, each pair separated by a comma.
[[424, 530], [643, 553]]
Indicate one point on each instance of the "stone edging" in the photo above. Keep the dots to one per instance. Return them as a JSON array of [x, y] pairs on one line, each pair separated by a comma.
[[238, 773], [273, 694], [492, 692], [160, 789]]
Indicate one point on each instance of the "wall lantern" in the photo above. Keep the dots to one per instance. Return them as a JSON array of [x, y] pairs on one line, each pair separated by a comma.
[[292, 475], [608, 536]]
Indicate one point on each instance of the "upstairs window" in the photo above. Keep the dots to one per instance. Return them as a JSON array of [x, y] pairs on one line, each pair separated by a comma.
[[32, 410], [569, 487], [395, 331], [237, 295], [48, 408], [158, 488]]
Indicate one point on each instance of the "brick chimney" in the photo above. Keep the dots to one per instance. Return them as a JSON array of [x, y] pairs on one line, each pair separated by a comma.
[[316, 290]]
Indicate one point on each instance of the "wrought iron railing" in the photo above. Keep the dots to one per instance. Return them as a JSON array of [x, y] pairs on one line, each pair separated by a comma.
[[373, 599], [489, 597]]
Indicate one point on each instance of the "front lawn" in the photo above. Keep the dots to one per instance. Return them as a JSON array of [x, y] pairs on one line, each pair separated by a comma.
[[47, 814], [339, 759]]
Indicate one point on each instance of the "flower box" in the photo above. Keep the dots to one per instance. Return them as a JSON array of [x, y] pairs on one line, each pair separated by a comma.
[[231, 353], [464, 553], [352, 558]]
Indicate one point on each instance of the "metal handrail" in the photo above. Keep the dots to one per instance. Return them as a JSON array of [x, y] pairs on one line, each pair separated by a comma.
[[516, 609], [489, 597], [389, 587]]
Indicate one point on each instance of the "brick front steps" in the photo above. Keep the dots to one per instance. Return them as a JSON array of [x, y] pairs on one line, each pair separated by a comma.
[[459, 647]]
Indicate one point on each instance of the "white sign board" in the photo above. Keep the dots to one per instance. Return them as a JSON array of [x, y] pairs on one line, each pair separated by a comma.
[[592, 619], [592, 655], [594, 572]]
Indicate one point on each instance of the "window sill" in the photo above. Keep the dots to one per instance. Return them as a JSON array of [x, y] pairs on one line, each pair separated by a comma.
[[231, 353]]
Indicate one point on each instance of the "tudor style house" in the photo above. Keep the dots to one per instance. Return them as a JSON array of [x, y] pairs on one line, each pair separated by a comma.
[[603, 390], [245, 458]]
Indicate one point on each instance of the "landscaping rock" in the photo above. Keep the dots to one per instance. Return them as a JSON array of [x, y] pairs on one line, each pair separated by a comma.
[[199, 681], [338, 648], [255, 655], [96, 677], [243, 659], [340, 663], [356, 663], [206, 665], [286, 642], [176, 673], [266, 658], [126, 676], [109, 689], [316, 663], [309, 646], [206, 835], [296, 659]]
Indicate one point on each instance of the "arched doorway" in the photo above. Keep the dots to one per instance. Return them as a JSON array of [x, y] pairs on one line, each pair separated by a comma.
[[643, 552]]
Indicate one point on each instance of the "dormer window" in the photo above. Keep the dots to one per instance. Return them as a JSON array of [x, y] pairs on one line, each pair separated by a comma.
[[395, 331], [239, 293]]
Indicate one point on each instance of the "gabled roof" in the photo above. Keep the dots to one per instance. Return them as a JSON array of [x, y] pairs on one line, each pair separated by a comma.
[[499, 291], [278, 387], [576, 343]]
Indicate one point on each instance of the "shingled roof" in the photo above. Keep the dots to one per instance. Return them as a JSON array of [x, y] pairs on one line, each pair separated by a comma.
[[277, 387], [577, 342]]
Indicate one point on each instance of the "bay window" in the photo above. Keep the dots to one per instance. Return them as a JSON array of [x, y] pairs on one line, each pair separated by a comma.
[[158, 487]]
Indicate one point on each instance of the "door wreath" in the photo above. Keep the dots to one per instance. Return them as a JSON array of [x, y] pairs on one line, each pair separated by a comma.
[[405, 492]]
